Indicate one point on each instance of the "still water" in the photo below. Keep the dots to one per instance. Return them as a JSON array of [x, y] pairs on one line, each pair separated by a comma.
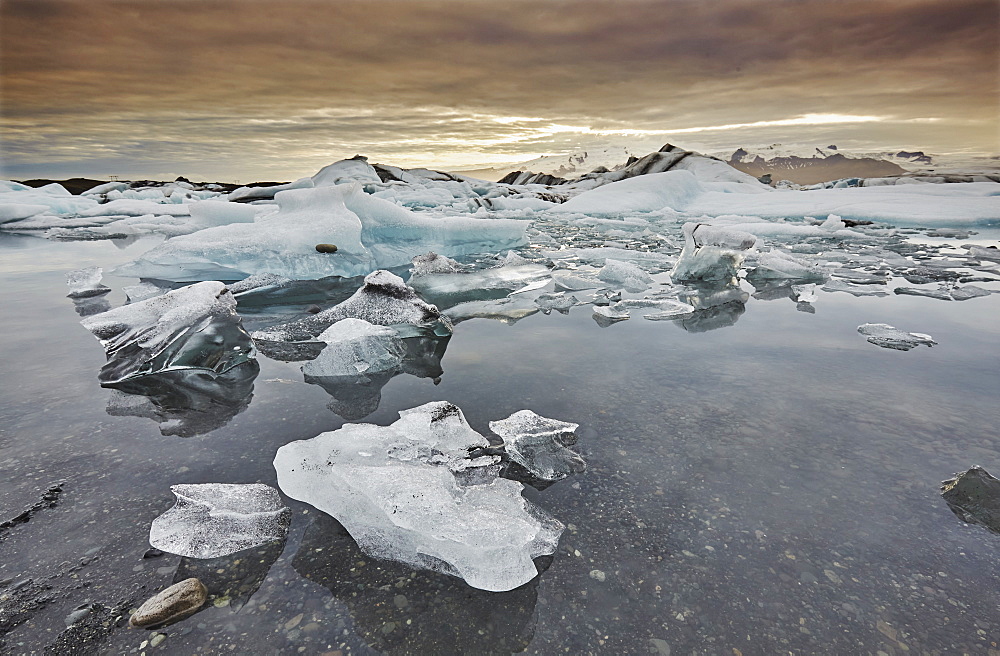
[[767, 486]]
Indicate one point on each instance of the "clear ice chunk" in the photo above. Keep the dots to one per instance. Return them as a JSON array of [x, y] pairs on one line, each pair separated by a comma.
[[780, 265], [711, 253], [606, 315], [506, 310], [194, 327], [540, 445], [86, 283], [413, 492], [628, 275], [559, 301], [575, 281], [383, 300], [449, 288], [355, 347], [210, 520], [886, 336]]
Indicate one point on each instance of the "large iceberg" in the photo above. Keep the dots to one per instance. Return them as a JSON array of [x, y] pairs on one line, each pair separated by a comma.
[[414, 492], [194, 327], [210, 520], [369, 233]]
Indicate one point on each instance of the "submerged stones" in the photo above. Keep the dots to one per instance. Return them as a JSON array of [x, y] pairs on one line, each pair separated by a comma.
[[886, 336], [974, 496], [417, 492], [170, 605], [217, 519]]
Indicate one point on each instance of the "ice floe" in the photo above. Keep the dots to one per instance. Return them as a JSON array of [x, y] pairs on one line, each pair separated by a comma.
[[413, 492], [210, 520], [886, 336]]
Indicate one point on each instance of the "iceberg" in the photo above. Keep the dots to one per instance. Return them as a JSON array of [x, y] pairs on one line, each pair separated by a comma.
[[86, 283], [369, 233], [412, 492], [211, 520], [540, 445], [711, 253], [194, 327], [886, 336], [383, 300]]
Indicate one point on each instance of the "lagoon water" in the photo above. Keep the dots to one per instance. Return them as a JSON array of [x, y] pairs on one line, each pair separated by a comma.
[[766, 486]]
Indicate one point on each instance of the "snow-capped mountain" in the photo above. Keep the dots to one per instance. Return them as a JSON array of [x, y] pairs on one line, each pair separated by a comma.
[[812, 164], [570, 165]]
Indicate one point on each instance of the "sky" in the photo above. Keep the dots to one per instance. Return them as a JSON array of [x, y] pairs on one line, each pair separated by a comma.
[[251, 90]]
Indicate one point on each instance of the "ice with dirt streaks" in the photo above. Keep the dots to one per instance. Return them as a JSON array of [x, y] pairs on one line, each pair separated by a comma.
[[383, 300], [886, 336], [210, 520], [194, 327], [415, 492]]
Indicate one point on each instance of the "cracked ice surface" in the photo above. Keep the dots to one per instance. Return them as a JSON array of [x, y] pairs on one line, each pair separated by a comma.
[[410, 492], [210, 520], [194, 327]]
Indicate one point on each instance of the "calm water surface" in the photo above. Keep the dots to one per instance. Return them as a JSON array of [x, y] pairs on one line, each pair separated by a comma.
[[769, 486]]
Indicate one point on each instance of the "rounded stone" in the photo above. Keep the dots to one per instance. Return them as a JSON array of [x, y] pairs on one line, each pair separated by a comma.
[[171, 605], [326, 248]]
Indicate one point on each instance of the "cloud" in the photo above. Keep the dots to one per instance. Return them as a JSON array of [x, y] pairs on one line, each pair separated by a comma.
[[286, 86]]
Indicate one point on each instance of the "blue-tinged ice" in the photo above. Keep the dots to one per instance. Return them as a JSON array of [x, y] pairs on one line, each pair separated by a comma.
[[194, 327]]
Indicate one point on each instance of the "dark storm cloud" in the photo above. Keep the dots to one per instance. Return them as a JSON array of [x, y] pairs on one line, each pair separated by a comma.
[[309, 79]]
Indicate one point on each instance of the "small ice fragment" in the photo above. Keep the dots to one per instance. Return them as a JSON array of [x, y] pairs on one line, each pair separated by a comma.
[[627, 274], [355, 347], [531, 286], [833, 223], [414, 492], [507, 310], [259, 282], [780, 265], [605, 315], [884, 335], [665, 308], [194, 327], [540, 445], [974, 496], [85, 283], [210, 520], [575, 282], [968, 291], [985, 253], [559, 301], [836, 285], [432, 263]]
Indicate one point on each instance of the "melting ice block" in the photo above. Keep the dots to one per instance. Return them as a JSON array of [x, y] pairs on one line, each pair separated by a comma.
[[86, 283], [383, 300], [439, 280], [194, 327], [711, 253], [540, 445], [369, 233], [884, 335], [779, 265], [217, 519], [411, 492], [355, 347], [626, 274]]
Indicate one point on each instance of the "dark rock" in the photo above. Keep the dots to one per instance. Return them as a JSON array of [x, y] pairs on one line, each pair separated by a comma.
[[152, 553], [974, 496], [326, 248], [171, 605]]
